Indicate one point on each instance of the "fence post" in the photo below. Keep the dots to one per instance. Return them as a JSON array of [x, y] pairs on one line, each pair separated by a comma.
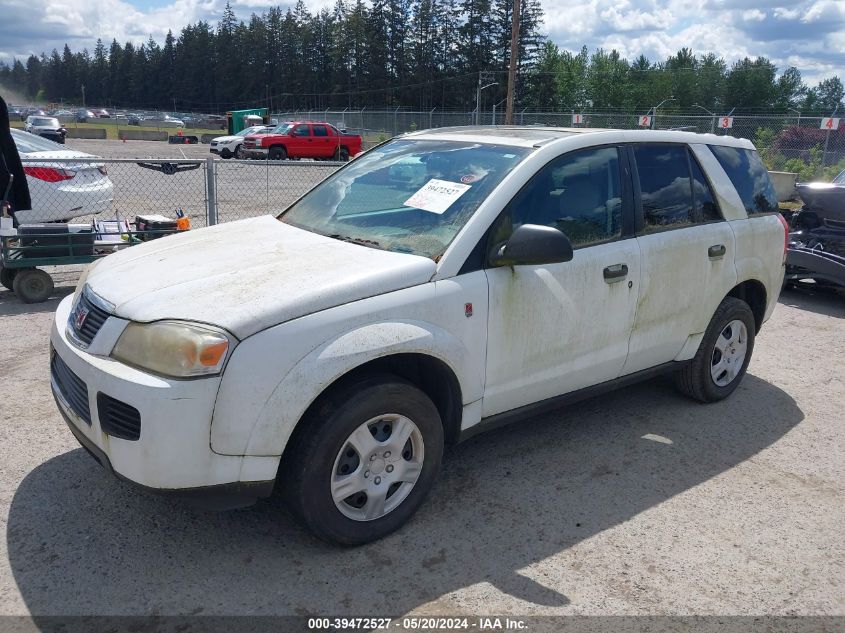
[[211, 191]]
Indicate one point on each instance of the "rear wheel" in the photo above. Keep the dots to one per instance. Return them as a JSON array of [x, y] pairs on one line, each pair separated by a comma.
[[278, 153], [723, 356], [32, 285], [239, 152], [342, 154], [363, 460]]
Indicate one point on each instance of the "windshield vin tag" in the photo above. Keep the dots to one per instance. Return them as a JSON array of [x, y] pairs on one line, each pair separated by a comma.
[[437, 196]]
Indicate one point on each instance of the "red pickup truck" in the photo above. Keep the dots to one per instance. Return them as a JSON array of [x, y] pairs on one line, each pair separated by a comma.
[[303, 139]]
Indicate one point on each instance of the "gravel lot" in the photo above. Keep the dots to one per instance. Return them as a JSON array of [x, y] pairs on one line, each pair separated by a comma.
[[636, 503], [641, 502]]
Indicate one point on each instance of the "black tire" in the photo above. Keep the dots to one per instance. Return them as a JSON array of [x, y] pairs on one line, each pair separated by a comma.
[[225, 153], [7, 277], [695, 379], [342, 154], [309, 461], [32, 285], [278, 153], [239, 152]]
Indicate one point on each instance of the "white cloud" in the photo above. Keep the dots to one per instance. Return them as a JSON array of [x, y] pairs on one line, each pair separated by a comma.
[[809, 34]]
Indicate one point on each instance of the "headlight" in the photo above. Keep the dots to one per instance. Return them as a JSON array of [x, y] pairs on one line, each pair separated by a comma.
[[174, 348]]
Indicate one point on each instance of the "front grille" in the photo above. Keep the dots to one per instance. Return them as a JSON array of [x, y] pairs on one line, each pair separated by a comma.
[[118, 419], [92, 322], [72, 387]]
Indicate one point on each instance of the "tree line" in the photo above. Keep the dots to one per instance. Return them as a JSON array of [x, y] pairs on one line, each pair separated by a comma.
[[413, 54]]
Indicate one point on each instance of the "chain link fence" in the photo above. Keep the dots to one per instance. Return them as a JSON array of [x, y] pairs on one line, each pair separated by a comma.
[[207, 191], [210, 191], [791, 143]]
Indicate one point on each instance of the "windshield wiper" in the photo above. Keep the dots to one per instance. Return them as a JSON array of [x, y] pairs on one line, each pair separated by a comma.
[[354, 240]]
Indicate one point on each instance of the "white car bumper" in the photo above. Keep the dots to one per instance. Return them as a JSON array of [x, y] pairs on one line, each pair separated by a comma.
[[172, 451]]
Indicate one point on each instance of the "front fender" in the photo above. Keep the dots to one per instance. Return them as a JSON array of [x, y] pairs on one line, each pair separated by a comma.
[[313, 374], [274, 376]]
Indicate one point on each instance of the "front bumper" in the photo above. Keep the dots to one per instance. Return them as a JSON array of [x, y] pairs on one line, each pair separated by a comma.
[[173, 451], [260, 152]]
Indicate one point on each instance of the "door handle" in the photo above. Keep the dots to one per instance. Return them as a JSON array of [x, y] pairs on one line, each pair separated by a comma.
[[615, 273], [717, 251]]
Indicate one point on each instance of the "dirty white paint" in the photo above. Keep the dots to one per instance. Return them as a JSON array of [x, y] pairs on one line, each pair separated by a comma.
[[680, 291], [273, 377], [249, 275], [559, 327]]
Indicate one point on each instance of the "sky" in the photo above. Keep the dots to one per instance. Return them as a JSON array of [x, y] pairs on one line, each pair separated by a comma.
[[807, 34]]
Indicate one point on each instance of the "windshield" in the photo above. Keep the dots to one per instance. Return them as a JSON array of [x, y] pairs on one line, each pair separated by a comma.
[[45, 121], [249, 130], [282, 128], [840, 179], [406, 196]]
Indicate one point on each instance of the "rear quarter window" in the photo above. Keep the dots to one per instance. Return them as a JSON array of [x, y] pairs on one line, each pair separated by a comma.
[[749, 177]]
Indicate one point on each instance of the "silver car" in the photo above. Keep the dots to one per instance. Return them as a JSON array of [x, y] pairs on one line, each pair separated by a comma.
[[46, 126]]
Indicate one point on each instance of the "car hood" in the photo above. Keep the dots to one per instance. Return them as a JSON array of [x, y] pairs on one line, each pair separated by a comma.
[[249, 275], [226, 139]]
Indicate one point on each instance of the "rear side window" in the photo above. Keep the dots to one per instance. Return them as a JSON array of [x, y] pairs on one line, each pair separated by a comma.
[[673, 190], [749, 178], [320, 130], [665, 188]]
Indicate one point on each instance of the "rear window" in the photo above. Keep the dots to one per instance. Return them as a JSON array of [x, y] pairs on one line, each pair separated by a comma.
[[749, 177]]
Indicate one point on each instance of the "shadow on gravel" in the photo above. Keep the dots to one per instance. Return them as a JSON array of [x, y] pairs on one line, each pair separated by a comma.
[[10, 305], [821, 300], [82, 542]]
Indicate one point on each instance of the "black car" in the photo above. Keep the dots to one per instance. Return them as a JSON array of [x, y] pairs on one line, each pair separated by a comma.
[[817, 234]]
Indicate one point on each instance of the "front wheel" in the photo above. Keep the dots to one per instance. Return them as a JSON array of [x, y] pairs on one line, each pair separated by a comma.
[[723, 356], [225, 153], [278, 153], [363, 460]]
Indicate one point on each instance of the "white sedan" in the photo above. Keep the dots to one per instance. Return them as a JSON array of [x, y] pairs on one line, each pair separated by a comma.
[[63, 183]]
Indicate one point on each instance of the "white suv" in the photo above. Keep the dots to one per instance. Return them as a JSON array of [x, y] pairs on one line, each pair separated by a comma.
[[232, 146], [442, 283]]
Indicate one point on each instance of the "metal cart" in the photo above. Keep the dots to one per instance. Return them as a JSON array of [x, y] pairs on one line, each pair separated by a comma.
[[21, 254]]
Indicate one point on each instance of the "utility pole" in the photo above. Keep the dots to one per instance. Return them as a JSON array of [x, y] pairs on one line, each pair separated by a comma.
[[482, 76], [513, 63], [83, 95]]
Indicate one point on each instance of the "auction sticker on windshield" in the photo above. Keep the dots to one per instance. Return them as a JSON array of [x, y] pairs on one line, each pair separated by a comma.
[[437, 195]]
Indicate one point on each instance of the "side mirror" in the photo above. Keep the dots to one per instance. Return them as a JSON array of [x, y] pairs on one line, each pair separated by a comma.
[[533, 244]]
